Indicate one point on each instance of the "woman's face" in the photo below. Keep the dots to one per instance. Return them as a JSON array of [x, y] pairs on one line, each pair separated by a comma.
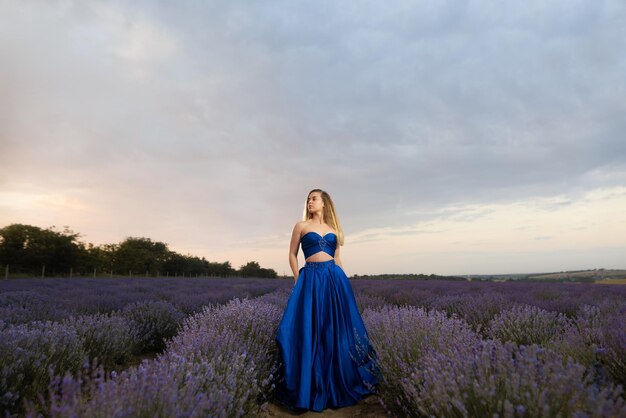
[[314, 202]]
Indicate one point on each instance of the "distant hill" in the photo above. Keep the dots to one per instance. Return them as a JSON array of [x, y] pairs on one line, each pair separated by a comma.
[[595, 274], [591, 275]]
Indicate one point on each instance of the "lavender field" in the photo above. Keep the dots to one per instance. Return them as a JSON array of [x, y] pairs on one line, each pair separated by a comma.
[[205, 347]]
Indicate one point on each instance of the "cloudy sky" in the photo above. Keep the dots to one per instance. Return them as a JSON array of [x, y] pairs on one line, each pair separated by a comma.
[[455, 137]]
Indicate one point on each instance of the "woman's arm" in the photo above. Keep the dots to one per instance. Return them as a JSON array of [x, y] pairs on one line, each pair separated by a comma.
[[293, 250], [337, 259]]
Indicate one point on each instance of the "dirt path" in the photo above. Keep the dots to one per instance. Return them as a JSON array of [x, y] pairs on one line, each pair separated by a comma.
[[367, 408]]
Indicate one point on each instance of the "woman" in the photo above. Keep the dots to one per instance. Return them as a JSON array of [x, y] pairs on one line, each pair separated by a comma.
[[326, 358]]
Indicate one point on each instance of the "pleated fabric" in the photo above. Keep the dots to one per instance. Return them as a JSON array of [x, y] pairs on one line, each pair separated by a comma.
[[326, 356]]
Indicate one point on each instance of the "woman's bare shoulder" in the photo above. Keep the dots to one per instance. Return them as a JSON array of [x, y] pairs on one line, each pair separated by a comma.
[[300, 225]]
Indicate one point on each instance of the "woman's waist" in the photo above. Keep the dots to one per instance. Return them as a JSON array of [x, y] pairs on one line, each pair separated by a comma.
[[319, 264]]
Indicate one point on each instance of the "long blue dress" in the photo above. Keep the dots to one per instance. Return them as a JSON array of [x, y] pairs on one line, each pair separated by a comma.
[[321, 366]]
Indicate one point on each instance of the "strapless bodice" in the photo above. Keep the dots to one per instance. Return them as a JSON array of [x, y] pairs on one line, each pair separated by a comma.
[[313, 243]]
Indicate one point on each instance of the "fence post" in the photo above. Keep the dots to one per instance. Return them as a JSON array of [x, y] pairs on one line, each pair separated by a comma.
[[71, 272], [130, 273], [6, 272], [146, 273], [94, 273], [111, 275], [43, 270]]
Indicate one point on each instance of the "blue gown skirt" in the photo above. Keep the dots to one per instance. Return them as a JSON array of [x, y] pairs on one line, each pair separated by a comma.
[[325, 353]]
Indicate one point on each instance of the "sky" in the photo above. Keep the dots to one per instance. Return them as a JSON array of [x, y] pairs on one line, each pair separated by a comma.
[[454, 137]]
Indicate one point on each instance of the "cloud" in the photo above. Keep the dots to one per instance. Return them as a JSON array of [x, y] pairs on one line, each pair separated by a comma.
[[205, 124], [519, 236]]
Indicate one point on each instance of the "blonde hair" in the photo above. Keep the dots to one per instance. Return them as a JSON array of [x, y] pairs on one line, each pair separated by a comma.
[[330, 215]]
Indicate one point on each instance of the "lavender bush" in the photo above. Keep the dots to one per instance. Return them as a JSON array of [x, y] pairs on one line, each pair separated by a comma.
[[174, 387], [241, 328], [278, 297], [401, 336], [526, 324], [477, 310], [433, 365], [582, 340], [614, 341], [494, 379], [365, 300], [152, 322], [28, 353], [565, 298], [105, 295], [22, 307], [109, 338], [220, 365], [431, 340]]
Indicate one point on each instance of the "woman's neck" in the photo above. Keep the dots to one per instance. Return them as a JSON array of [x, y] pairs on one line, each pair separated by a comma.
[[317, 219]]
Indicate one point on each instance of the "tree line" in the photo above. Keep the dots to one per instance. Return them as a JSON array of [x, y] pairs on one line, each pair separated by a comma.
[[410, 276], [28, 250]]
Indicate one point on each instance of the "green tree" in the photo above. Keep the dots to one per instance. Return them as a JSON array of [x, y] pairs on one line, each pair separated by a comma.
[[174, 264], [253, 269], [220, 269], [139, 255], [98, 257], [26, 248]]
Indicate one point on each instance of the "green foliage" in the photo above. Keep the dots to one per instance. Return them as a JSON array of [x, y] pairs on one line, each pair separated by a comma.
[[26, 249], [253, 269], [140, 255]]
